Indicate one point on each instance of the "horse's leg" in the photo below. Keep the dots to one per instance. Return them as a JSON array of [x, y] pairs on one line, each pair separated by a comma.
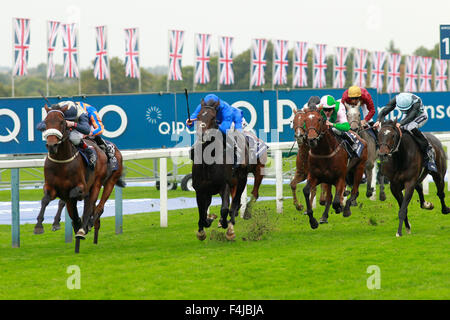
[[423, 204], [323, 194], [56, 226], [398, 195], [295, 181], [225, 208], [255, 191], [403, 212], [312, 183], [39, 228], [359, 171], [369, 174], [89, 204], [235, 205], [71, 206], [382, 193], [338, 196], [440, 186], [327, 189], [202, 213]]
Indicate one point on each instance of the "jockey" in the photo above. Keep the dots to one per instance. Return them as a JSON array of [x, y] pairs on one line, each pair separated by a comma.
[[225, 118], [78, 121], [336, 117], [96, 131], [415, 117], [357, 96]]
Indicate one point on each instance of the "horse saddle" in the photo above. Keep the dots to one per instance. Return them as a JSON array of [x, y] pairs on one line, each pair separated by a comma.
[[257, 146], [85, 156], [351, 143]]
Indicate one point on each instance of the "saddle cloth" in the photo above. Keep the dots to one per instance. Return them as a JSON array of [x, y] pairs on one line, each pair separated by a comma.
[[257, 147], [84, 156]]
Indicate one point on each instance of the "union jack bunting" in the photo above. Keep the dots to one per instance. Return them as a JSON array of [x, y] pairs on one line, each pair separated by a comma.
[[320, 65], [202, 57], [280, 62], [340, 69], [176, 41], [70, 50], [394, 73], [226, 60], [21, 45], [101, 67], [441, 75], [300, 78], [360, 69], [425, 74], [377, 73], [132, 53], [259, 47], [52, 35], [411, 76]]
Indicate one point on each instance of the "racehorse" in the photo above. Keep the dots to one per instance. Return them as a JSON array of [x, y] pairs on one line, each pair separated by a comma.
[[301, 163], [354, 119], [212, 172], [402, 164], [327, 163], [67, 176]]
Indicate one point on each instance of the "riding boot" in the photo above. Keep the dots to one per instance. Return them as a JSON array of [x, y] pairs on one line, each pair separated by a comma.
[[375, 132], [90, 153], [108, 149], [427, 150], [353, 143]]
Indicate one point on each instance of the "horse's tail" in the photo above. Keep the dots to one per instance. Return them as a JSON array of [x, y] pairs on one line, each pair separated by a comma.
[[120, 182]]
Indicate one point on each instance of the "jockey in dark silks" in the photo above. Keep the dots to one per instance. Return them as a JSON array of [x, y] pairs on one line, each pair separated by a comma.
[[226, 116], [415, 117], [78, 121]]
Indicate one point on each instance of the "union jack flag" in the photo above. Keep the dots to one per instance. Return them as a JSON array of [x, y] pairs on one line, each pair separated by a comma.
[[425, 74], [101, 67], [21, 45], [259, 47], [132, 53], [340, 68], [378, 58], [176, 41], [441, 76], [300, 78], [202, 57], [360, 70], [394, 73], [70, 50], [411, 64], [226, 60], [280, 61], [320, 66], [52, 35]]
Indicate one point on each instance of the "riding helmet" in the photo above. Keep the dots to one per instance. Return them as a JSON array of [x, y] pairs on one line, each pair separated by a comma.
[[404, 101], [327, 102], [354, 92]]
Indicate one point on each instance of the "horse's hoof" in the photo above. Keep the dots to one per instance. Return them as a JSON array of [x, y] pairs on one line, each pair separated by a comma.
[[383, 196], [369, 194], [322, 221], [354, 203], [446, 210], [212, 216], [230, 235], [427, 205], [223, 224], [398, 235], [38, 230], [322, 202], [313, 223], [346, 193], [247, 215], [347, 213], [408, 231], [56, 227], [299, 207], [81, 234], [201, 235]]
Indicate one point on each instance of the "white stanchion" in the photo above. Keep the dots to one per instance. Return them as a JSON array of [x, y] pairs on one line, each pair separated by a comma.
[[163, 191], [243, 202], [279, 179], [374, 182]]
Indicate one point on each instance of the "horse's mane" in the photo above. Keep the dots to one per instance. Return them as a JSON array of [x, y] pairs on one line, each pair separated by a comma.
[[390, 123]]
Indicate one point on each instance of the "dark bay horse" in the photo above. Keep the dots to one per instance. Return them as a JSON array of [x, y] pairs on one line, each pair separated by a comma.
[[354, 119], [212, 173], [402, 164], [67, 176], [328, 163]]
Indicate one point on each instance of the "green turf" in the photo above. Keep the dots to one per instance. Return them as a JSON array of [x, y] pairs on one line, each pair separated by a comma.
[[290, 262]]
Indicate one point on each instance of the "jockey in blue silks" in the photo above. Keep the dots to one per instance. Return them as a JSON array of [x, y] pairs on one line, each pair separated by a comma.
[[226, 116]]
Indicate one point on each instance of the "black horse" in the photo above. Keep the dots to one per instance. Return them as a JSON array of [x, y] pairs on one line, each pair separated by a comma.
[[212, 172], [402, 164]]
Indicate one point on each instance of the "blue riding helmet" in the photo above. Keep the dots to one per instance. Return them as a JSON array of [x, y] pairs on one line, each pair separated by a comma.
[[212, 97], [404, 101]]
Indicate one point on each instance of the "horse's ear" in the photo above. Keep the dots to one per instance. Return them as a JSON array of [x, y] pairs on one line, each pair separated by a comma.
[[216, 104], [202, 102], [294, 111], [46, 108], [63, 109]]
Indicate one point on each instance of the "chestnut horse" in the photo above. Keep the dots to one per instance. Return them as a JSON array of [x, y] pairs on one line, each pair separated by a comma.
[[212, 172], [68, 177], [327, 163], [402, 164]]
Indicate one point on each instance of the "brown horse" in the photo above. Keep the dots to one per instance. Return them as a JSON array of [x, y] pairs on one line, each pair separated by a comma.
[[212, 172], [327, 163], [402, 164], [68, 177], [301, 163]]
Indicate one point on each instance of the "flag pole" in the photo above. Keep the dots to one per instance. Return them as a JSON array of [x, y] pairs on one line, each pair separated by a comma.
[[79, 63], [107, 58], [218, 67], [168, 63], [251, 65], [195, 62], [140, 62], [273, 66], [47, 58], [12, 69]]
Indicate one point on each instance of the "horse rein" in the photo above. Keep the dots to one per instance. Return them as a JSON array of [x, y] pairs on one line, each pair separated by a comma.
[[397, 144]]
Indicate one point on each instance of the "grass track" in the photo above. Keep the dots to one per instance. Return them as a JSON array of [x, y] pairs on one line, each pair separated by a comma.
[[292, 262]]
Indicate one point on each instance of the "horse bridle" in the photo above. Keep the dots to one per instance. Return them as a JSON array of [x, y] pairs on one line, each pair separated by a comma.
[[320, 132], [392, 149], [55, 132]]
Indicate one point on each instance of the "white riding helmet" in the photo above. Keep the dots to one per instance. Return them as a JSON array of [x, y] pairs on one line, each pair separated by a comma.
[[404, 101]]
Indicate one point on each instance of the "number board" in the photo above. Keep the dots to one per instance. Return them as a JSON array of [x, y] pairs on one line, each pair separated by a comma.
[[444, 43]]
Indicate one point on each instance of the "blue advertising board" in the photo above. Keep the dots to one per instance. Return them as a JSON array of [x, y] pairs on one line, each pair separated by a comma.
[[444, 42], [147, 121]]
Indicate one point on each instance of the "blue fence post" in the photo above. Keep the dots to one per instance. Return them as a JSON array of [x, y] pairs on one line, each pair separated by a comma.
[[15, 223], [67, 226], [119, 208]]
